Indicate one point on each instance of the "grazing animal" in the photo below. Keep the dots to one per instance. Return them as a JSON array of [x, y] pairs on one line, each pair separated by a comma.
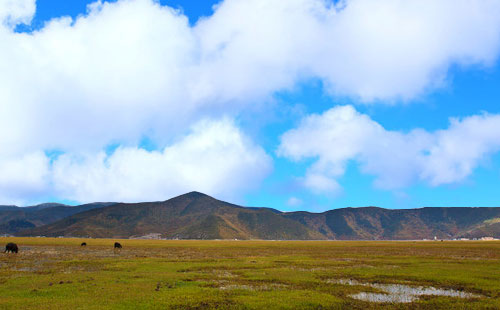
[[118, 245], [11, 247], [83, 244]]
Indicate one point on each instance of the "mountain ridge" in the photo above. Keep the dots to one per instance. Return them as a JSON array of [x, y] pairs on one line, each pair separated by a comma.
[[14, 219], [198, 216]]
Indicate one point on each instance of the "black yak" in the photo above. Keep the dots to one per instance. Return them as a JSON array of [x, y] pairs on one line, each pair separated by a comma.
[[11, 247], [118, 245], [83, 244]]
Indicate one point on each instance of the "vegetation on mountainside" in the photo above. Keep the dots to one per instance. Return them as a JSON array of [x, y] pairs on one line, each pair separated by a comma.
[[198, 216]]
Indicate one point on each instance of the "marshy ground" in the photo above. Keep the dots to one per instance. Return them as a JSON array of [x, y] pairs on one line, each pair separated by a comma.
[[155, 274]]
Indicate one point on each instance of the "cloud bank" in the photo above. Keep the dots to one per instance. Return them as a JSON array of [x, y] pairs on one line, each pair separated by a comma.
[[134, 68], [215, 157], [397, 159]]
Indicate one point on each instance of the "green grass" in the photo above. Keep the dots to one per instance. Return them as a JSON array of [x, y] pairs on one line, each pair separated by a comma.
[[146, 274]]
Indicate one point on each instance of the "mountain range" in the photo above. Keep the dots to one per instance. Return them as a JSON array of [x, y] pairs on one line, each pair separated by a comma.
[[14, 219], [198, 216]]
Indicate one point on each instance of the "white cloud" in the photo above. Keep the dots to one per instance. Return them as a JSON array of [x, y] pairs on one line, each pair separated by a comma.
[[294, 202], [321, 184], [396, 159], [23, 177], [111, 76], [371, 50], [134, 68], [460, 148], [215, 158], [14, 12], [400, 48]]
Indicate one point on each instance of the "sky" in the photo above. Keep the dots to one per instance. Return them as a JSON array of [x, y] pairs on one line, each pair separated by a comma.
[[294, 105]]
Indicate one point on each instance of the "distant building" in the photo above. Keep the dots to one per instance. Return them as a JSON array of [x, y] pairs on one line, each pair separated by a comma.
[[152, 236], [487, 238]]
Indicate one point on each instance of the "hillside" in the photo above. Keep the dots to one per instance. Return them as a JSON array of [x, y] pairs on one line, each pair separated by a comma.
[[373, 223], [190, 216], [14, 219], [198, 216]]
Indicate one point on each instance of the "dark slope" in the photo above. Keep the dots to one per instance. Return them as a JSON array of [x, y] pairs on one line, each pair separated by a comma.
[[190, 216], [14, 219], [373, 223], [8, 208]]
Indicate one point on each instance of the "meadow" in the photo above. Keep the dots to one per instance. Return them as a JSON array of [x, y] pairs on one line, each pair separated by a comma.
[[51, 273]]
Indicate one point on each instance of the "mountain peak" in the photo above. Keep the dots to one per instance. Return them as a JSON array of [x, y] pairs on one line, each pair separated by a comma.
[[194, 195], [47, 205]]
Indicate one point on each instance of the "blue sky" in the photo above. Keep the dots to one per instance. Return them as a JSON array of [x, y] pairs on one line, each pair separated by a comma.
[[237, 141], [47, 9]]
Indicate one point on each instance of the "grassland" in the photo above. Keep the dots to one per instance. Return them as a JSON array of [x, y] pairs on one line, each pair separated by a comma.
[[146, 274]]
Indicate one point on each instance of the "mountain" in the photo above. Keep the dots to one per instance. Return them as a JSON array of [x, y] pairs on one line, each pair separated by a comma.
[[190, 216], [8, 208], [198, 216], [372, 223], [14, 219]]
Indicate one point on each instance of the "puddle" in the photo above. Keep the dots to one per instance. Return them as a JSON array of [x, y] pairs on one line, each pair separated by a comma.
[[237, 287], [391, 298], [399, 293], [265, 287], [313, 269], [224, 274]]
